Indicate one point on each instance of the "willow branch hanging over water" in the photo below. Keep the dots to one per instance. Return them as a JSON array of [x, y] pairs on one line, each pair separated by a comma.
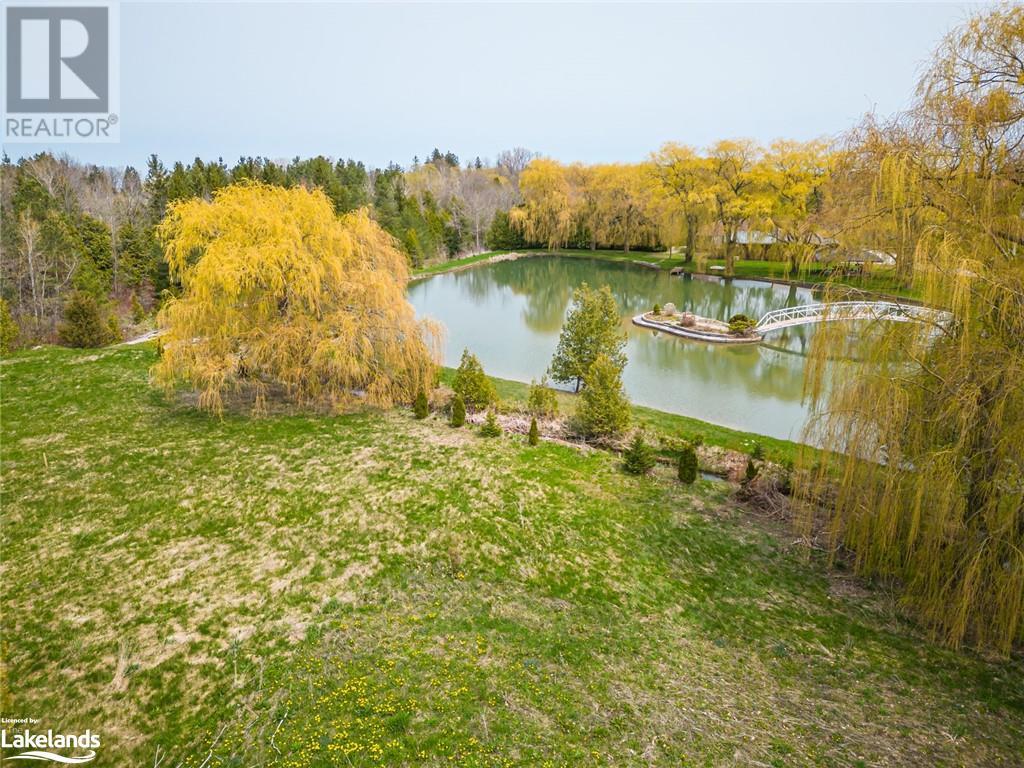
[[924, 480]]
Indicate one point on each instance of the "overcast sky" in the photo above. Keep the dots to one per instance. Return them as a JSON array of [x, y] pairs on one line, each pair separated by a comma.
[[589, 82]]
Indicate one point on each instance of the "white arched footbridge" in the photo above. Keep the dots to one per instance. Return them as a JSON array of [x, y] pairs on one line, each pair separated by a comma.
[[717, 331], [845, 311]]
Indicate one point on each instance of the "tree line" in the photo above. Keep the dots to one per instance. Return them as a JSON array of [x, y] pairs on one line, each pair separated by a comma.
[[68, 227], [71, 227]]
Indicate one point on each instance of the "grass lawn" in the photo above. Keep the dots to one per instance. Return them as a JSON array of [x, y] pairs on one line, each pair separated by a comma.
[[446, 266], [367, 590]]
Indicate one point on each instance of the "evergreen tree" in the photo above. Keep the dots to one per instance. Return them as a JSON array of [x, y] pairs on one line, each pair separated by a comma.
[[534, 436], [501, 235], [592, 328], [178, 184], [688, 464], [603, 409], [92, 237], [458, 411], [138, 311], [138, 254], [751, 471], [156, 188], [638, 458], [491, 428], [472, 383], [421, 408], [82, 326]]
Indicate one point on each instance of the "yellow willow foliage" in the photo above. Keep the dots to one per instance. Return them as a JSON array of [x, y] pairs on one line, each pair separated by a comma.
[[623, 196], [279, 293], [923, 469], [547, 214]]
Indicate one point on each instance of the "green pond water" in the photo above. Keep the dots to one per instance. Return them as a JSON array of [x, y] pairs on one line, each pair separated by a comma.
[[510, 313]]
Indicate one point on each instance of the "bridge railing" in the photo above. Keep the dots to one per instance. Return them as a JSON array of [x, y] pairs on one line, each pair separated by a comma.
[[844, 310]]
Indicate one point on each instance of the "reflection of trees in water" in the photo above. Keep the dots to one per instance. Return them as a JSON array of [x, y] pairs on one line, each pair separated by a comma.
[[760, 371], [475, 284], [721, 299], [547, 284]]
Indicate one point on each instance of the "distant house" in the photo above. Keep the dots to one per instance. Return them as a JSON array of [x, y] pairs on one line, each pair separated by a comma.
[[856, 257], [748, 237], [755, 237], [744, 236]]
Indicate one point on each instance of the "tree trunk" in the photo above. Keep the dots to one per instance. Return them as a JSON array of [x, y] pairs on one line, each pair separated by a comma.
[[691, 236], [729, 257]]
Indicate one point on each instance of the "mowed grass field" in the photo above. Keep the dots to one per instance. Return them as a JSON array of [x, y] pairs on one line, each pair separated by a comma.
[[366, 589]]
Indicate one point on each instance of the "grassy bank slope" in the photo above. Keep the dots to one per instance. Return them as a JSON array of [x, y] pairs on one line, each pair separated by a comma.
[[659, 424], [367, 589]]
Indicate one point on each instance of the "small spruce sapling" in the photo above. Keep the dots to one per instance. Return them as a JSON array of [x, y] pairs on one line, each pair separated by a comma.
[[534, 436], [490, 427], [458, 411], [688, 464], [421, 409], [638, 458]]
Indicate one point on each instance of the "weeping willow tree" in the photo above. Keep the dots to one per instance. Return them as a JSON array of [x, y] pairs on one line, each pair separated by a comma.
[[547, 214], [281, 295], [924, 441]]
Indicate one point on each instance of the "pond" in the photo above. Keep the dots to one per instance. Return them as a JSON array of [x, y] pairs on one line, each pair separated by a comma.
[[509, 313]]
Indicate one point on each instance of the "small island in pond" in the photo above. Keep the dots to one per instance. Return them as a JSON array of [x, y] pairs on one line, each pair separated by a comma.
[[739, 330]]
